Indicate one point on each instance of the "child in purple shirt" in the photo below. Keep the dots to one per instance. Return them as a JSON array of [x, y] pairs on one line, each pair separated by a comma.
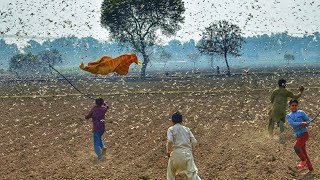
[[98, 113]]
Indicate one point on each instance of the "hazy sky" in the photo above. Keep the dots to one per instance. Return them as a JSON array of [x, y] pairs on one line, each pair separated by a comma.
[[55, 18]]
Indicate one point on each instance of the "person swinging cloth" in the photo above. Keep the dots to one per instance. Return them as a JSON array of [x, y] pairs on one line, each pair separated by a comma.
[[279, 99]]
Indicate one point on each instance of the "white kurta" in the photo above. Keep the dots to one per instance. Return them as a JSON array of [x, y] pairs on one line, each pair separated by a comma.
[[179, 143]]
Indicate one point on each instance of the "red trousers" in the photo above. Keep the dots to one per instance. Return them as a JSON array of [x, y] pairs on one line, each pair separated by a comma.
[[300, 149]]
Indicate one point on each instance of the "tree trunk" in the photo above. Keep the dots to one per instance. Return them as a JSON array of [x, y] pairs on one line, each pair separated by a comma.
[[144, 64], [225, 58], [164, 67], [211, 61]]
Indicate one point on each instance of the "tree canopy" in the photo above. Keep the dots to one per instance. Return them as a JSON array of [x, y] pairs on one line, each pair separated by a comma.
[[31, 64], [221, 38], [138, 22], [6, 52]]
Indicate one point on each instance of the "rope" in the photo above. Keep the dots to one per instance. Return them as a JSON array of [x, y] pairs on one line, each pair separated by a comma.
[[71, 83], [315, 117]]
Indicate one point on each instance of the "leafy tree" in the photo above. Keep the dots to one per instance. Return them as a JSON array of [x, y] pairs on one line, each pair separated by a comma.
[[23, 63], [175, 48], [164, 57], [137, 23], [33, 47], [30, 64], [88, 48], [193, 57], [288, 57], [190, 46], [48, 57], [6, 52], [221, 38]]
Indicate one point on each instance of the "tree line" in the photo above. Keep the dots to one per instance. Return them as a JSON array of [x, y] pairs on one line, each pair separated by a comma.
[[73, 50], [134, 27]]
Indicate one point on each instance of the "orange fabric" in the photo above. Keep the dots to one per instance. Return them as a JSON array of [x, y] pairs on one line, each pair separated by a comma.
[[106, 64]]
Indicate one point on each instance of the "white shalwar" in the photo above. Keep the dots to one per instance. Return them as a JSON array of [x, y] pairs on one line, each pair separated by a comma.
[[180, 140]]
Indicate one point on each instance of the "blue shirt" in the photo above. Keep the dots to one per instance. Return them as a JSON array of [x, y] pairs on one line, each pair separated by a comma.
[[295, 118]]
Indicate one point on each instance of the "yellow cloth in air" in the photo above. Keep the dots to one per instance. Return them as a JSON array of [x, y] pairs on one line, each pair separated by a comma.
[[107, 64], [279, 100]]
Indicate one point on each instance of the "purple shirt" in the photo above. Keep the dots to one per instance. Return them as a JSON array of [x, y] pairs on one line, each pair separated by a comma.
[[97, 114]]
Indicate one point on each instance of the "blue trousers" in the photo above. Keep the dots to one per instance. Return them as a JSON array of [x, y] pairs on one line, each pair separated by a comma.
[[97, 143]]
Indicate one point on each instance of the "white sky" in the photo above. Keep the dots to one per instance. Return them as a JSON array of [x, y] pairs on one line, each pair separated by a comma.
[[56, 18]]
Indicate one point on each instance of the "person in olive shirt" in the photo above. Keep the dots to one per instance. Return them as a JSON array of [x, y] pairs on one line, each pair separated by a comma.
[[279, 99]]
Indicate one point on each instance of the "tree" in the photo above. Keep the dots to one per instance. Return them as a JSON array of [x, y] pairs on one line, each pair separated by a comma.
[[288, 57], [221, 38], [30, 64], [68, 48], [189, 47], [23, 63], [48, 57], [137, 23], [88, 48], [164, 57], [33, 47], [6, 52], [193, 57]]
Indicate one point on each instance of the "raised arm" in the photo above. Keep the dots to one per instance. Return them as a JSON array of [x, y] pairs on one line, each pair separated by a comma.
[[106, 105], [295, 96]]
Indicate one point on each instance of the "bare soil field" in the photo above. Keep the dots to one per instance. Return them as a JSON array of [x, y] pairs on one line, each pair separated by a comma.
[[44, 134]]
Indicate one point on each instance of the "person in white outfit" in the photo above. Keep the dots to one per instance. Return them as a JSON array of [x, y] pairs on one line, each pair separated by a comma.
[[179, 150]]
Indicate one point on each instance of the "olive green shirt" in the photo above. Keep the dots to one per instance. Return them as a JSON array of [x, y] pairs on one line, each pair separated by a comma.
[[279, 100]]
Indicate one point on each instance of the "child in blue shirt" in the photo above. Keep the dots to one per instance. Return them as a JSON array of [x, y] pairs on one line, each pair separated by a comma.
[[299, 121]]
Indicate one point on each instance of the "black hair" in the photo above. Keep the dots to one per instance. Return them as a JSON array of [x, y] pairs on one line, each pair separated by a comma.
[[177, 117], [99, 101], [282, 83], [293, 101]]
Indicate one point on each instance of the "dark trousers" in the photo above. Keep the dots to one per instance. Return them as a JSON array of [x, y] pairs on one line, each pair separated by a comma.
[[271, 125]]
